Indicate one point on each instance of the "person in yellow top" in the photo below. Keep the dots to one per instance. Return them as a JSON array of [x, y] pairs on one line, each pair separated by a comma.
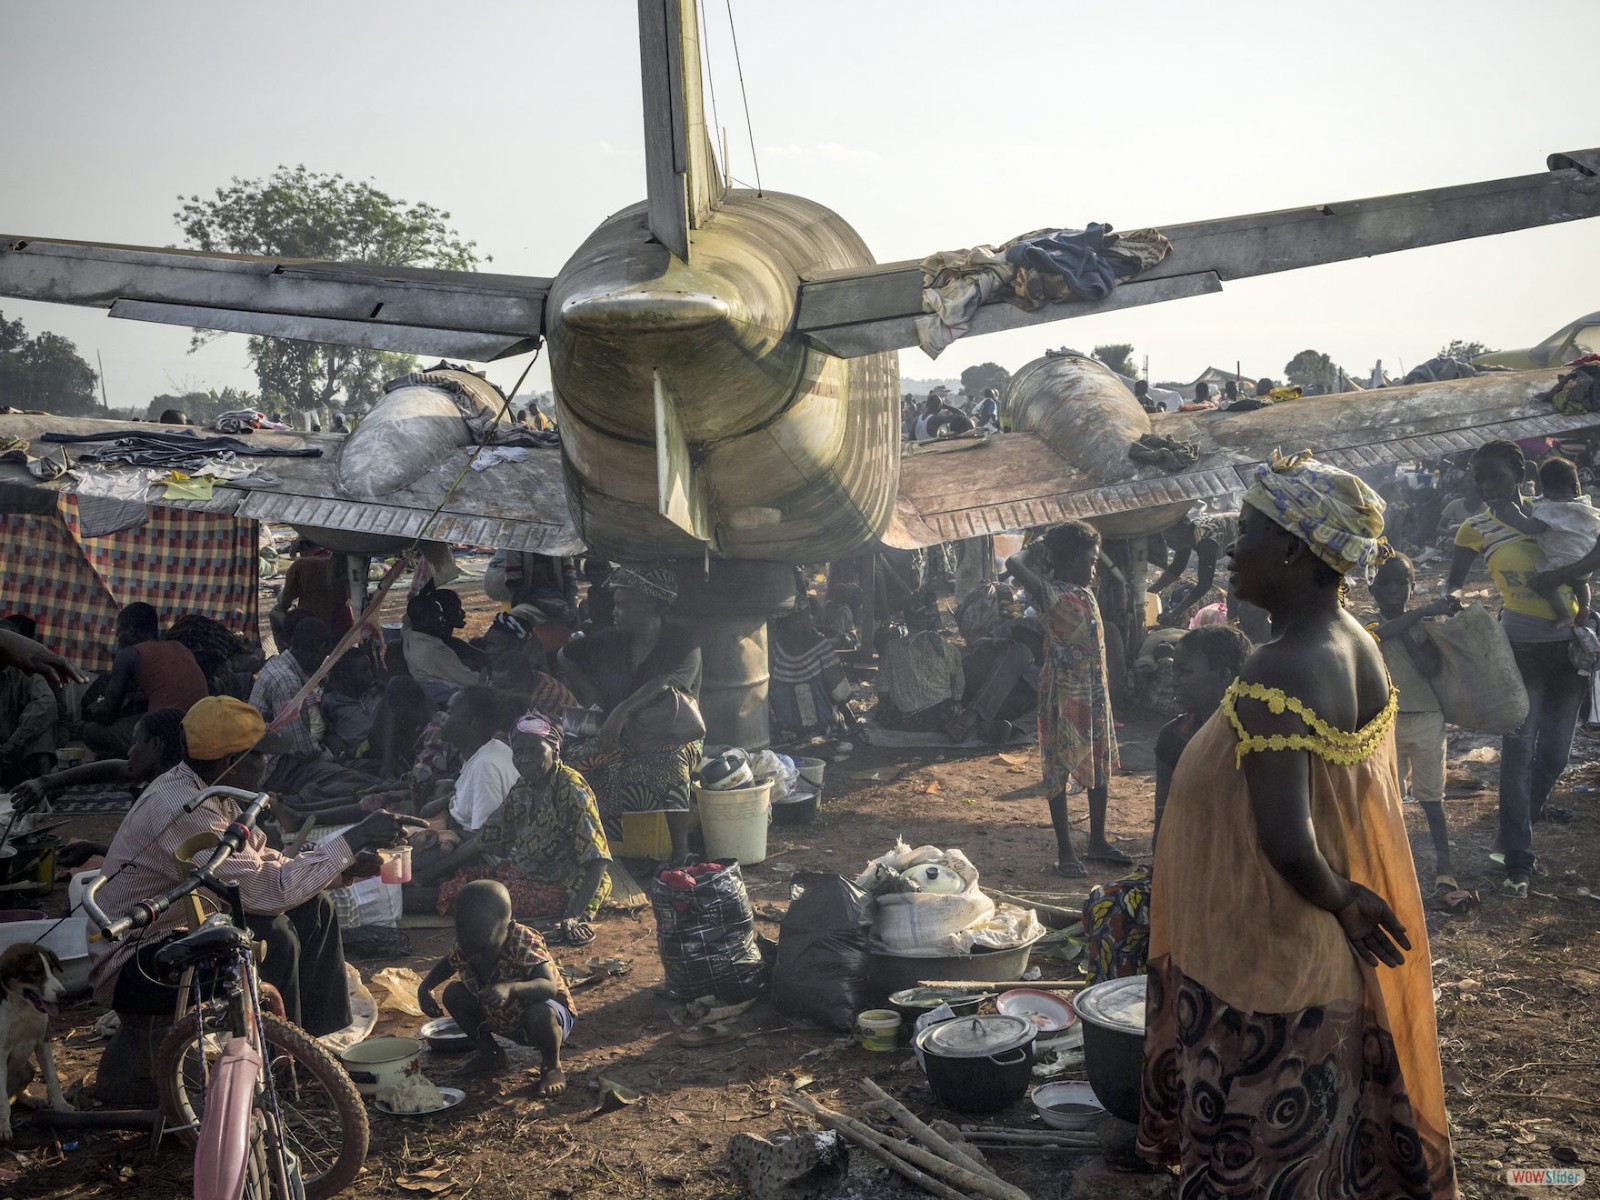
[[1290, 1040], [1533, 757]]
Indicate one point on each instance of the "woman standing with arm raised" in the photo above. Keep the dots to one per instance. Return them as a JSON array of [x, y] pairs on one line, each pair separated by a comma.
[[1077, 740]]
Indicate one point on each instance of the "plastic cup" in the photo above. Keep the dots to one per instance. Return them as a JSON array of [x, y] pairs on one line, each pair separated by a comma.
[[396, 865]]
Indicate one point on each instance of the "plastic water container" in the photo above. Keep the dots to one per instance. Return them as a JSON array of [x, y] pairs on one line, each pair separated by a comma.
[[812, 771], [878, 1029], [1152, 610], [734, 822], [644, 835]]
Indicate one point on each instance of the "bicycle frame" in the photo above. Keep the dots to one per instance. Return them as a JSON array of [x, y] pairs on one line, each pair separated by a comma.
[[241, 1093], [239, 1088]]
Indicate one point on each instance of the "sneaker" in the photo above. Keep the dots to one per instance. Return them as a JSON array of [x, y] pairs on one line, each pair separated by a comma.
[[1497, 856], [1516, 889]]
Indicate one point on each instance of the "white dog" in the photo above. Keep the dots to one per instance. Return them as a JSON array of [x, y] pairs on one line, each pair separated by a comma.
[[30, 984]]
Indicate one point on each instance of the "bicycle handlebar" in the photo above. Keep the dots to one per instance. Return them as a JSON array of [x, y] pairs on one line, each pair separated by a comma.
[[146, 912]]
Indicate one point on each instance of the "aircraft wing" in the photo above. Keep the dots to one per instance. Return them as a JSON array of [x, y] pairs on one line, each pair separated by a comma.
[[856, 312], [1007, 482], [512, 505], [412, 310]]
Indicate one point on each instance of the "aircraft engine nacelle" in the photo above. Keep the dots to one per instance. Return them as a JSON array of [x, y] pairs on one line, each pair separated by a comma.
[[1089, 417]]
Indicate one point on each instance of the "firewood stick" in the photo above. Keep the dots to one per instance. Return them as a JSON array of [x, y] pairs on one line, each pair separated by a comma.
[[887, 1157], [923, 1133], [961, 1176], [1060, 1137], [1003, 985], [953, 1135], [1070, 916]]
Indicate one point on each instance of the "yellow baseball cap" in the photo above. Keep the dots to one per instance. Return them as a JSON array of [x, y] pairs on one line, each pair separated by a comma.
[[221, 725]]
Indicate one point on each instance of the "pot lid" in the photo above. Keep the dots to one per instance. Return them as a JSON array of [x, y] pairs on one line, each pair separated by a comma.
[[1115, 1004], [978, 1037]]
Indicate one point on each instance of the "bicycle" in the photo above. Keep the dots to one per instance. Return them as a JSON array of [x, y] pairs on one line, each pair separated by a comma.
[[272, 1115]]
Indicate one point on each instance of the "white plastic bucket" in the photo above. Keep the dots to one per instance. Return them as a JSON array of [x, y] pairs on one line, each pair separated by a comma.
[[734, 822]]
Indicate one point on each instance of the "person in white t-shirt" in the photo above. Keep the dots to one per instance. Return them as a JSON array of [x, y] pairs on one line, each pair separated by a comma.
[[476, 724]]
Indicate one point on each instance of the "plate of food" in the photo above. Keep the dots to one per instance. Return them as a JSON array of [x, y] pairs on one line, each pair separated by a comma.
[[416, 1096]]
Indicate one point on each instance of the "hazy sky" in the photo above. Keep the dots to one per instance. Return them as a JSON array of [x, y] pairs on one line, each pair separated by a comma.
[[927, 126]]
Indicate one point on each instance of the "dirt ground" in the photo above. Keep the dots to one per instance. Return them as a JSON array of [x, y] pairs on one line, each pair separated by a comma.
[[1518, 988]]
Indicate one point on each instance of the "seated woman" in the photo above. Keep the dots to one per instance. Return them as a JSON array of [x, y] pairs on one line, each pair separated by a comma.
[[635, 764], [397, 726], [545, 843], [157, 748], [350, 704]]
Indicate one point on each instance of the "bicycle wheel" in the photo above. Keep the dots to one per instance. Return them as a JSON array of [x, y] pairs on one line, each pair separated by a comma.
[[324, 1121]]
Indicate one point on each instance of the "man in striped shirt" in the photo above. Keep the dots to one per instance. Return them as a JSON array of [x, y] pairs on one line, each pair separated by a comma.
[[282, 896]]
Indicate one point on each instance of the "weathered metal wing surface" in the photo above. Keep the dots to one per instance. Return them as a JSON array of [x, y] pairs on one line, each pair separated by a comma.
[[865, 310], [1013, 481], [411, 310], [513, 505]]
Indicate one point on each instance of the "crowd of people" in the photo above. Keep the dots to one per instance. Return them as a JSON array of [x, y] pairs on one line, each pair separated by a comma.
[[507, 762]]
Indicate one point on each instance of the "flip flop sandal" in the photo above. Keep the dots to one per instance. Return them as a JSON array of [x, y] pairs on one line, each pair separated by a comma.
[[1445, 883], [577, 933], [1118, 859], [1071, 870]]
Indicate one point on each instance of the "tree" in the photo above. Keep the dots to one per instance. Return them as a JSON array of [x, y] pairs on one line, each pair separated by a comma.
[[1313, 369], [974, 380], [296, 213], [1119, 357], [1463, 351], [44, 372]]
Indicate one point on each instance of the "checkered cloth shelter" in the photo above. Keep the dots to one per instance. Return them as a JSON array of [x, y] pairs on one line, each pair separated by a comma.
[[179, 561]]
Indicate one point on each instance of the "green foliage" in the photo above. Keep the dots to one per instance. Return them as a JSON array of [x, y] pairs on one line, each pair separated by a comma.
[[45, 372], [296, 213], [1119, 357], [974, 380], [1312, 369], [1463, 351]]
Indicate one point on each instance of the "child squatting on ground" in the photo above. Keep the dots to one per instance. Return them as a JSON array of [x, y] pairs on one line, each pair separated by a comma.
[[1419, 745], [506, 983], [1565, 525]]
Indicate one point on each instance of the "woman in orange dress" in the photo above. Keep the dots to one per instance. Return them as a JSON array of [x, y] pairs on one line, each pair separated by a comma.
[[1290, 1045]]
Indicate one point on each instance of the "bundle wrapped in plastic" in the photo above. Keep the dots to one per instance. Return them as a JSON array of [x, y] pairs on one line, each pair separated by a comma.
[[928, 904]]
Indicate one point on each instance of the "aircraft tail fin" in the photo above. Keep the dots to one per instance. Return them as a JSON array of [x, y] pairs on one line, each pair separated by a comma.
[[682, 180]]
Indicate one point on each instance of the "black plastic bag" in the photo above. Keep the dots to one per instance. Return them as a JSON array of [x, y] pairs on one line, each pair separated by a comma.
[[823, 961], [707, 940]]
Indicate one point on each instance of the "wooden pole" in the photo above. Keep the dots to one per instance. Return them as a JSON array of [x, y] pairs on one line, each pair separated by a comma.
[[887, 1157], [971, 1181], [927, 1136], [1004, 985]]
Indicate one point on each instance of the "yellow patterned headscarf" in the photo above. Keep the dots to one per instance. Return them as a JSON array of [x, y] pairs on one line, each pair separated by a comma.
[[1336, 514]]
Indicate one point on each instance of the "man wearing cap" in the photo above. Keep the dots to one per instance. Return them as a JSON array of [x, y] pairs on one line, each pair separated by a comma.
[[282, 896]]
